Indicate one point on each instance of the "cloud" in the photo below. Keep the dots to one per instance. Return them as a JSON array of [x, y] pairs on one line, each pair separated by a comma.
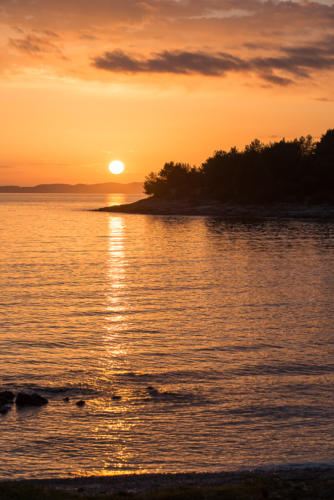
[[323, 99], [48, 33], [36, 44], [29, 43], [51, 33], [17, 29], [293, 62], [178, 62], [189, 37], [277, 80], [87, 36], [69, 14]]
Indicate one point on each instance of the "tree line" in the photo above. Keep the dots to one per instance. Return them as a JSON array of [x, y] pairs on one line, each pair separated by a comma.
[[299, 170]]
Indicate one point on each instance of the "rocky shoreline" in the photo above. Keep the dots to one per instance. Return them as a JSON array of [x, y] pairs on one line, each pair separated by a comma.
[[31, 399], [154, 206], [286, 482], [297, 483]]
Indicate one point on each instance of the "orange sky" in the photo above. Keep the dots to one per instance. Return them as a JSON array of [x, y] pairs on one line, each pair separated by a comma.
[[83, 83]]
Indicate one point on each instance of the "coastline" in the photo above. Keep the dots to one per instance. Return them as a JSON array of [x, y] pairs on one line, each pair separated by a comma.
[[154, 206], [304, 482]]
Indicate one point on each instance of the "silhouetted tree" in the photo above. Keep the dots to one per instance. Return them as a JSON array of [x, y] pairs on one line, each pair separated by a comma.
[[325, 147], [294, 170], [174, 179]]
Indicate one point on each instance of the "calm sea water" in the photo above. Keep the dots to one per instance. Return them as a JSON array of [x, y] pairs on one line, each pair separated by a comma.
[[232, 323]]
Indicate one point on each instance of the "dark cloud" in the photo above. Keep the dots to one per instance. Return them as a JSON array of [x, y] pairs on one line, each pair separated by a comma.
[[277, 80], [36, 44], [30, 44], [248, 31], [298, 62], [179, 62], [48, 33], [118, 61]]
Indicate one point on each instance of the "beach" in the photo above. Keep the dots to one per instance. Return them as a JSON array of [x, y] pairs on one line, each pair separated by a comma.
[[312, 483]]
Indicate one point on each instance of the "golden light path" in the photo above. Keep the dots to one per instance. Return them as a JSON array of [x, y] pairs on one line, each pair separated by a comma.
[[116, 462], [116, 167]]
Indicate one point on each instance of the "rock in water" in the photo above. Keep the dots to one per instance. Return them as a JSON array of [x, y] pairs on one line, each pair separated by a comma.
[[152, 390], [6, 397], [24, 399], [80, 403]]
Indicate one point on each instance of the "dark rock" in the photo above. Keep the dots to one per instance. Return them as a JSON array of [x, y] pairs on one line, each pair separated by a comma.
[[152, 391], [4, 410], [265, 494], [117, 398], [66, 399], [24, 399], [80, 403], [6, 397]]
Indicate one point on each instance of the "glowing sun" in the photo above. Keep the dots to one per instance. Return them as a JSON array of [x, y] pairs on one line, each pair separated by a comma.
[[116, 167]]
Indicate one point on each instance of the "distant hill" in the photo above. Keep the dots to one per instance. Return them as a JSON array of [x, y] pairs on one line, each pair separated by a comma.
[[103, 188]]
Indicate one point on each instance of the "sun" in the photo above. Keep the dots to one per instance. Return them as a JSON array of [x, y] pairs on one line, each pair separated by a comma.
[[116, 167]]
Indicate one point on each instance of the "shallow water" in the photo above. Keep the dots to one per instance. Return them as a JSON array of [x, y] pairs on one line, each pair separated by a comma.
[[232, 323]]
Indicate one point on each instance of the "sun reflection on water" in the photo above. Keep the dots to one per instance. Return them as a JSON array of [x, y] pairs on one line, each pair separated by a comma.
[[116, 274], [115, 318], [116, 199], [114, 427]]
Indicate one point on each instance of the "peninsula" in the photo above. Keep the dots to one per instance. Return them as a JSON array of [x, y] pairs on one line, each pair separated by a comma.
[[282, 179]]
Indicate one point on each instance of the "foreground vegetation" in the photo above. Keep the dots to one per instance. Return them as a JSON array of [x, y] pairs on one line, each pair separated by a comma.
[[301, 170], [258, 488]]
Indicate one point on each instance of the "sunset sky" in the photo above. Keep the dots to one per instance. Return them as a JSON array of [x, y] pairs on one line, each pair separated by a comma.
[[86, 82]]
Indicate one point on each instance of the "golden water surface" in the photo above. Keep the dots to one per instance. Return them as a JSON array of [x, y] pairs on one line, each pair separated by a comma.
[[217, 337]]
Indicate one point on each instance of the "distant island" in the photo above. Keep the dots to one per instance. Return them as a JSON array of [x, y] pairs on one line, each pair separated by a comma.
[[285, 177], [102, 188]]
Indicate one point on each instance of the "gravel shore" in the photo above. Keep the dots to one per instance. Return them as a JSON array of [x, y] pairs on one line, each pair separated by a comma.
[[308, 481], [153, 206]]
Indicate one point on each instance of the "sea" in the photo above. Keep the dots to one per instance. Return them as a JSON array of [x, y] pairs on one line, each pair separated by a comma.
[[197, 344]]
